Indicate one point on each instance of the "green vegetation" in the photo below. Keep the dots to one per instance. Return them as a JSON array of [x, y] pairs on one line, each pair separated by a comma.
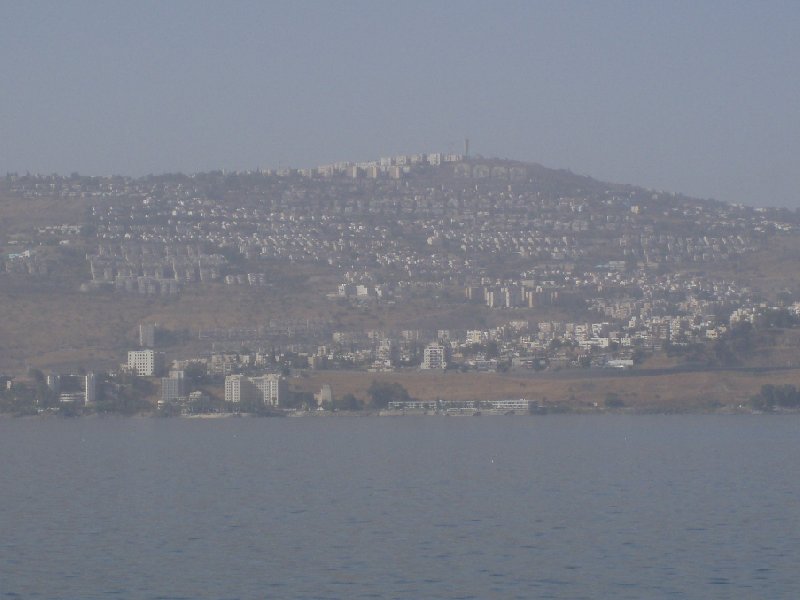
[[772, 397], [383, 392], [347, 402], [19, 401]]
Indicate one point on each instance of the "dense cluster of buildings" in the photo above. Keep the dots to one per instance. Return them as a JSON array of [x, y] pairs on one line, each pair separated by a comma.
[[442, 220], [517, 344]]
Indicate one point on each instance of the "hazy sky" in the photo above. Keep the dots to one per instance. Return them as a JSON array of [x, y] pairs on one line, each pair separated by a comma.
[[694, 97]]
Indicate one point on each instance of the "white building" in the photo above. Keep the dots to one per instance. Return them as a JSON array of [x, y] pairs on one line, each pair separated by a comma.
[[434, 159], [146, 363], [90, 388], [269, 389], [273, 389], [325, 395], [434, 357], [239, 388], [476, 336]]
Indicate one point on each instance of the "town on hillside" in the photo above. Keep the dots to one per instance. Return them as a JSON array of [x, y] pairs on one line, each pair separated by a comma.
[[214, 291]]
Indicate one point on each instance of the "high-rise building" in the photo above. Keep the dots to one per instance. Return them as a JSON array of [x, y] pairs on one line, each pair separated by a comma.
[[89, 388], [434, 357], [273, 389], [239, 388], [146, 363], [173, 387], [147, 335]]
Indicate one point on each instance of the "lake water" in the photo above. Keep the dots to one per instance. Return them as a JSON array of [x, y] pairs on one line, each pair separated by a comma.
[[407, 507]]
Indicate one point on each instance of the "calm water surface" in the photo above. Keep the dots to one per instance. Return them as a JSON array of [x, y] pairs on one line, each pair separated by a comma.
[[429, 507]]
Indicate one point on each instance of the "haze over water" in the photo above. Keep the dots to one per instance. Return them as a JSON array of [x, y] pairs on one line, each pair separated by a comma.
[[524, 507]]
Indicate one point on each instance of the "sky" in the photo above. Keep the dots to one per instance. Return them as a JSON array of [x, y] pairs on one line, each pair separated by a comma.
[[701, 98]]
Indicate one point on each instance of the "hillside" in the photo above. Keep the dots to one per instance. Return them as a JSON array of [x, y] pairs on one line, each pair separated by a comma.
[[422, 243]]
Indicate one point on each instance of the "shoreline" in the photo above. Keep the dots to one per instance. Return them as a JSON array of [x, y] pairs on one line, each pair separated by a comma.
[[692, 391], [575, 392], [318, 414]]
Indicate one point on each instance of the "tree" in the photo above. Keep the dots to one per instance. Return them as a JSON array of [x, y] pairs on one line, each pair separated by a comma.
[[204, 404], [124, 402], [300, 400], [772, 396], [347, 402], [20, 401], [780, 318], [195, 371], [383, 392], [44, 395], [742, 337]]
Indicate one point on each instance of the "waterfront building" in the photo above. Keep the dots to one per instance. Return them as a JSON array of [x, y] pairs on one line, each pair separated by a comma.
[[324, 396], [239, 388], [173, 387], [89, 388], [273, 389]]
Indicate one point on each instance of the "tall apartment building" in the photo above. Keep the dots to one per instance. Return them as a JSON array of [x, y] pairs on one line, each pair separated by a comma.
[[173, 387], [271, 390], [434, 356], [147, 335], [239, 388], [89, 388], [146, 363]]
